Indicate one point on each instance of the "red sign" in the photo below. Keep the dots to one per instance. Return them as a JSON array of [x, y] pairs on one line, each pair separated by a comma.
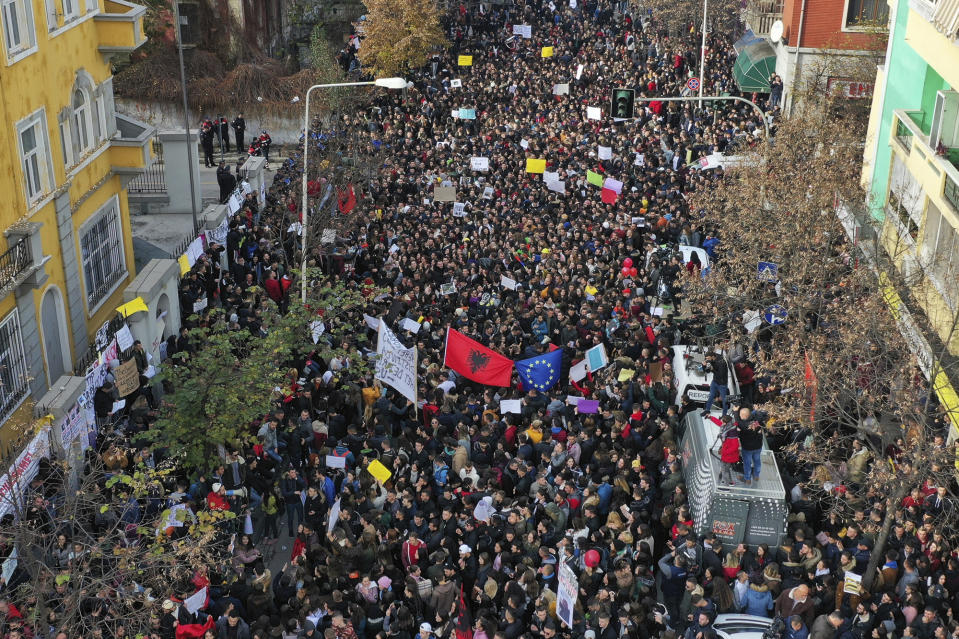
[[693, 84], [849, 88]]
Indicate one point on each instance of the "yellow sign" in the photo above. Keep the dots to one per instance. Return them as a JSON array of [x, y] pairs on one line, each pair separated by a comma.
[[184, 263], [626, 374], [131, 307], [547, 52], [535, 166], [465, 61], [379, 471]]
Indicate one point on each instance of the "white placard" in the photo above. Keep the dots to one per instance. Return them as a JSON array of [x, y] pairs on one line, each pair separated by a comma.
[[640, 159], [578, 371], [459, 209], [396, 364], [332, 461], [511, 406], [334, 513], [150, 372], [574, 400], [194, 250], [561, 89], [596, 358], [594, 113], [579, 71], [457, 83], [124, 338], [524, 144], [9, 565], [524, 30], [572, 4], [605, 152], [200, 304], [567, 590], [479, 163], [556, 185], [507, 282], [317, 327], [196, 601], [488, 193], [656, 310], [118, 405], [613, 185], [410, 325], [550, 176]]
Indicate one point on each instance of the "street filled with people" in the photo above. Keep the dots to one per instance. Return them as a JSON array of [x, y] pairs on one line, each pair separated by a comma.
[[494, 493]]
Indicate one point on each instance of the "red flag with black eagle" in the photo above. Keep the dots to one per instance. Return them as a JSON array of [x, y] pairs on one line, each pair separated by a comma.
[[474, 361], [346, 199], [464, 620]]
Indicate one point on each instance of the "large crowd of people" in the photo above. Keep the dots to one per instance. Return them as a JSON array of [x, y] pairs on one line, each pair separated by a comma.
[[467, 536]]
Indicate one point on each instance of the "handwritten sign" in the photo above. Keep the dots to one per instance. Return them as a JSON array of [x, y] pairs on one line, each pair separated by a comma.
[[128, 378]]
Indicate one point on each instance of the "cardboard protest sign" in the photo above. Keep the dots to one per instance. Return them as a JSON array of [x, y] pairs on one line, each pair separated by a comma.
[[444, 193], [127, 378]]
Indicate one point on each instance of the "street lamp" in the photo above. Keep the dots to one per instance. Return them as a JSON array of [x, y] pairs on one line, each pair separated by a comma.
[[702, 58], [386, 83]]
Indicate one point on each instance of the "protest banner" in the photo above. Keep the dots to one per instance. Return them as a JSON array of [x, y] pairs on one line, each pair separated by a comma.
[[128, 378], [395, 363], [566, 592]]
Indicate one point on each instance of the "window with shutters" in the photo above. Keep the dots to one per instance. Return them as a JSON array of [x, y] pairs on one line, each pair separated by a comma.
[[867, 13], [14, 374], [19, 36], [101, 250], [35, 160]]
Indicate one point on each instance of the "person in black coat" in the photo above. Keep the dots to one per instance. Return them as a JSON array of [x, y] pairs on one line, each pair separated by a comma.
[[239, 128], [226, 180], [224, 128]]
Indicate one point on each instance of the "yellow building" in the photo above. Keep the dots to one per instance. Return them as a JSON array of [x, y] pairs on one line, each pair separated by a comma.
[[66, 252]]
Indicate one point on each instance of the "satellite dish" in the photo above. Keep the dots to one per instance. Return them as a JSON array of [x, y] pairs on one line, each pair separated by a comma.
[[776, 31]]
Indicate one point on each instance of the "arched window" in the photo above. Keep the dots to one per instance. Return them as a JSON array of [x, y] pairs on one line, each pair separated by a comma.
[[82, 125]]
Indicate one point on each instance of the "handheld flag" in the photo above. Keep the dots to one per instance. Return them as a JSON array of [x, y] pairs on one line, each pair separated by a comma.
[[541, 372], [346, 199], [474, 361]]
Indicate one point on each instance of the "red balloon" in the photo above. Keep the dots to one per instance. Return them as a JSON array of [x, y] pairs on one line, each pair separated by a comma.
[[625, 271], [633, 272], [628, 262], [591, 558]]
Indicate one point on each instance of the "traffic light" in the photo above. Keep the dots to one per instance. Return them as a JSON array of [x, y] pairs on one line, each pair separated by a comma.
[[623, 101]]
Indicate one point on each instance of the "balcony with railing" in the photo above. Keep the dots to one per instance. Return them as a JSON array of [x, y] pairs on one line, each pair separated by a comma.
[[14, 263], [760, 15], [911, 131]]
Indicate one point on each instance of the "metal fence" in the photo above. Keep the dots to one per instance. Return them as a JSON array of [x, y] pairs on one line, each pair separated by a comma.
[[14, 261], [109, 332], [153, 179]]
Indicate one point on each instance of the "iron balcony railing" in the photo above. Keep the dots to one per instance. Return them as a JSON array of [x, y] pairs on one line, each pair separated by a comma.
[[15, 261]]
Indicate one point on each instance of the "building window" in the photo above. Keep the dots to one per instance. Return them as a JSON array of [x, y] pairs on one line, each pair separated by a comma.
[[18, 32], [906, 197], [13, 366], [82, 123], [35, 156], [940, 242], [101, 247], [865, 13]]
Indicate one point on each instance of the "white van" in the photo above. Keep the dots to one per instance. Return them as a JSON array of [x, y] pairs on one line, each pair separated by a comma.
[[692, 380]]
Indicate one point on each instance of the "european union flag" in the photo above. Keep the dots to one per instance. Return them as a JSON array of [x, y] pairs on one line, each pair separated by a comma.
[[541, 372]]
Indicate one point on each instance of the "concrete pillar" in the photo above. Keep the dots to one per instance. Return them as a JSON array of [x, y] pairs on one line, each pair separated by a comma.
[[157, 284], [254, 172], [59, 401], [76, 304], [176, 146]]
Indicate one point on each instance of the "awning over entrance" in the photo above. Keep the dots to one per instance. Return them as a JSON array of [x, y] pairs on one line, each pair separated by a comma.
[[754, 65]]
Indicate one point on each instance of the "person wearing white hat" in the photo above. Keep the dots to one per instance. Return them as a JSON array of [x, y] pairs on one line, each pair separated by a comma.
[[465, 550], [425, 630]]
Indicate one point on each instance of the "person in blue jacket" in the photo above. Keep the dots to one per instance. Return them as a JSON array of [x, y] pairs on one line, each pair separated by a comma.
[[758, 600]]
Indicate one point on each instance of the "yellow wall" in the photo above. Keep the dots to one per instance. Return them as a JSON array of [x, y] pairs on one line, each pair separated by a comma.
[[933, 47], [46, 78]]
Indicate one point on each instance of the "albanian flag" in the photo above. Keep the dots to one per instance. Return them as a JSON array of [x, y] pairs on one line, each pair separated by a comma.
[[464, 620], [474, 361], [193, 630], [313, 188], [346, 199]]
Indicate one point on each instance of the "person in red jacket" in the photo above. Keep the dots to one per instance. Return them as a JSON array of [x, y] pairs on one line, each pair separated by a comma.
[[273, 287], [411, 550], [216, 499]]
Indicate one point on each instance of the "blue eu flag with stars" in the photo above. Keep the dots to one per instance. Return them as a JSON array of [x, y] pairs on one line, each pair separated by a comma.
[[541, 372]]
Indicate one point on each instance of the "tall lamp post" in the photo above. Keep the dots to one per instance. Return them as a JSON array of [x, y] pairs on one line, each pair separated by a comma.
[[190, 142], [702, 58], [387, 83]]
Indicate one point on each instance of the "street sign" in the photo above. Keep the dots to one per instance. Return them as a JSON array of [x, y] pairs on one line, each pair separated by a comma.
[[622, 103], [767, 271], [775, 314], [693, 84]]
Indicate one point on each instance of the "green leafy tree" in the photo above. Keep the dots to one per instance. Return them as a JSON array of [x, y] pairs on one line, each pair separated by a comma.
[[232, 377], [400, 34]]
